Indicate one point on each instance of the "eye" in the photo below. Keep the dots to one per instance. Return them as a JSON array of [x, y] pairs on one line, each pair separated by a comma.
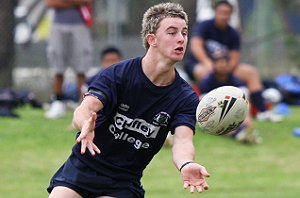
[[171, 33], [184, 33]]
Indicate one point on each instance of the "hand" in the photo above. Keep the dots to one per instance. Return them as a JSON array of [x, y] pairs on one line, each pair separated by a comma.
[[87, 135], [201, 71], [208, 65], [193, 175]]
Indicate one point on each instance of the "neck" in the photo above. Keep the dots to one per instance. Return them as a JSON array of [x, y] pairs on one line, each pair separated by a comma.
[[221, 26], [159, 70]]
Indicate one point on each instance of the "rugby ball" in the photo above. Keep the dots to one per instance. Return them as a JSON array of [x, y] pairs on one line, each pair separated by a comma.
[[222, 110]]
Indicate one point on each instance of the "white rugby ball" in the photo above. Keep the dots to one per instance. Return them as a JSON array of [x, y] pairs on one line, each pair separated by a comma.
[[222, 110]]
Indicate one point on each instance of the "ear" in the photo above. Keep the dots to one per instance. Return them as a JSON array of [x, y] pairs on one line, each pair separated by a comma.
[[151, 39]]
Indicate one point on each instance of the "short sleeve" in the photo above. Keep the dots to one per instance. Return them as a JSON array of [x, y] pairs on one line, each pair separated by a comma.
[[186, 114], [105, 85], [199, 29], [91, 79], [235, 41]]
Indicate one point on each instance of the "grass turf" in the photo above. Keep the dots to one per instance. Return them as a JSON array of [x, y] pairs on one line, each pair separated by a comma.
[[32, 149]]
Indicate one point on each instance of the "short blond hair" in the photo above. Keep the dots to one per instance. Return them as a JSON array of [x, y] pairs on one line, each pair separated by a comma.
[[155, 14]]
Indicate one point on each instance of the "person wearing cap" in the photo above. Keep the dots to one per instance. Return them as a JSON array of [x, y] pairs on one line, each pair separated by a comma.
[[223, 76], [198, 64]]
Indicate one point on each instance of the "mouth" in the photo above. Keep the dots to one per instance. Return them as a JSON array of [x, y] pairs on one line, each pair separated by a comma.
[[179, 49]]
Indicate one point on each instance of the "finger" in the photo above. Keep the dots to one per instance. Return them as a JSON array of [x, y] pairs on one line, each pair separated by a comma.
[[205, 185], [83, 146], [204, 172], [185, 184], [199, 189], [80, 137], [90, 147], [96, 149], [192, 189], [93, 117]]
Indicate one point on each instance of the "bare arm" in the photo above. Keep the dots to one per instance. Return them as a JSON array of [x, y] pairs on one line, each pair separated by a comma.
[[84, 119], [83, 112], [197, 48], [193, 174], [234, 58], [65, 3], [183, 149]]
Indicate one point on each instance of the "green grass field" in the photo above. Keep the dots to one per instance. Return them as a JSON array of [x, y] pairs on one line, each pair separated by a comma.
[[32, 148]]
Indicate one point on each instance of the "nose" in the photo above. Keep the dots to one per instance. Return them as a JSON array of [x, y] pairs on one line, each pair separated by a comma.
[[181, 38]]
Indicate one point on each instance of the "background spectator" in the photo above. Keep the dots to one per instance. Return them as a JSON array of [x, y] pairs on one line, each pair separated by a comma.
[[70, 44]]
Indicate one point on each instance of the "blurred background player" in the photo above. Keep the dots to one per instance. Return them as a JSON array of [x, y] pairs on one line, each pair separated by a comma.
[[205, 11], [223, 76], [109, 56], [70, 44], [199, 64]]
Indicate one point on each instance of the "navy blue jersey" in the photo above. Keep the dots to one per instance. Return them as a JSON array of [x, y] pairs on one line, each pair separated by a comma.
[[135, 120], [89, 80], [208, 31], [210, 82]]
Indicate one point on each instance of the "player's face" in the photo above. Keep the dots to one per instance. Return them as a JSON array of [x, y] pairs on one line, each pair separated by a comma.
[[222, 15], [222, 67], [171, 38], [110, 59]]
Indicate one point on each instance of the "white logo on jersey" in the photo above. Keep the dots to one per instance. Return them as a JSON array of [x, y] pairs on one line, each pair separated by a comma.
[[137, 125], [124, 107]]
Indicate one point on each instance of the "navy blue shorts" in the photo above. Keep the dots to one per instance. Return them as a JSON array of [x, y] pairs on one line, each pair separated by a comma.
[[210, 82], [74, 174]]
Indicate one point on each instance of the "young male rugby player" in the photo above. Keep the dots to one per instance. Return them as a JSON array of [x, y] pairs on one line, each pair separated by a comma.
[[127, 113]]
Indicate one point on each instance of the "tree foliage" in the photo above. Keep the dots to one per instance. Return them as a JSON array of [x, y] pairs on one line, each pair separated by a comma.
[[7, 22]]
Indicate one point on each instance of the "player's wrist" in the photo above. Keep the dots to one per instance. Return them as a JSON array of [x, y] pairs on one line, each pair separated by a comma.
[[185, 164]]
